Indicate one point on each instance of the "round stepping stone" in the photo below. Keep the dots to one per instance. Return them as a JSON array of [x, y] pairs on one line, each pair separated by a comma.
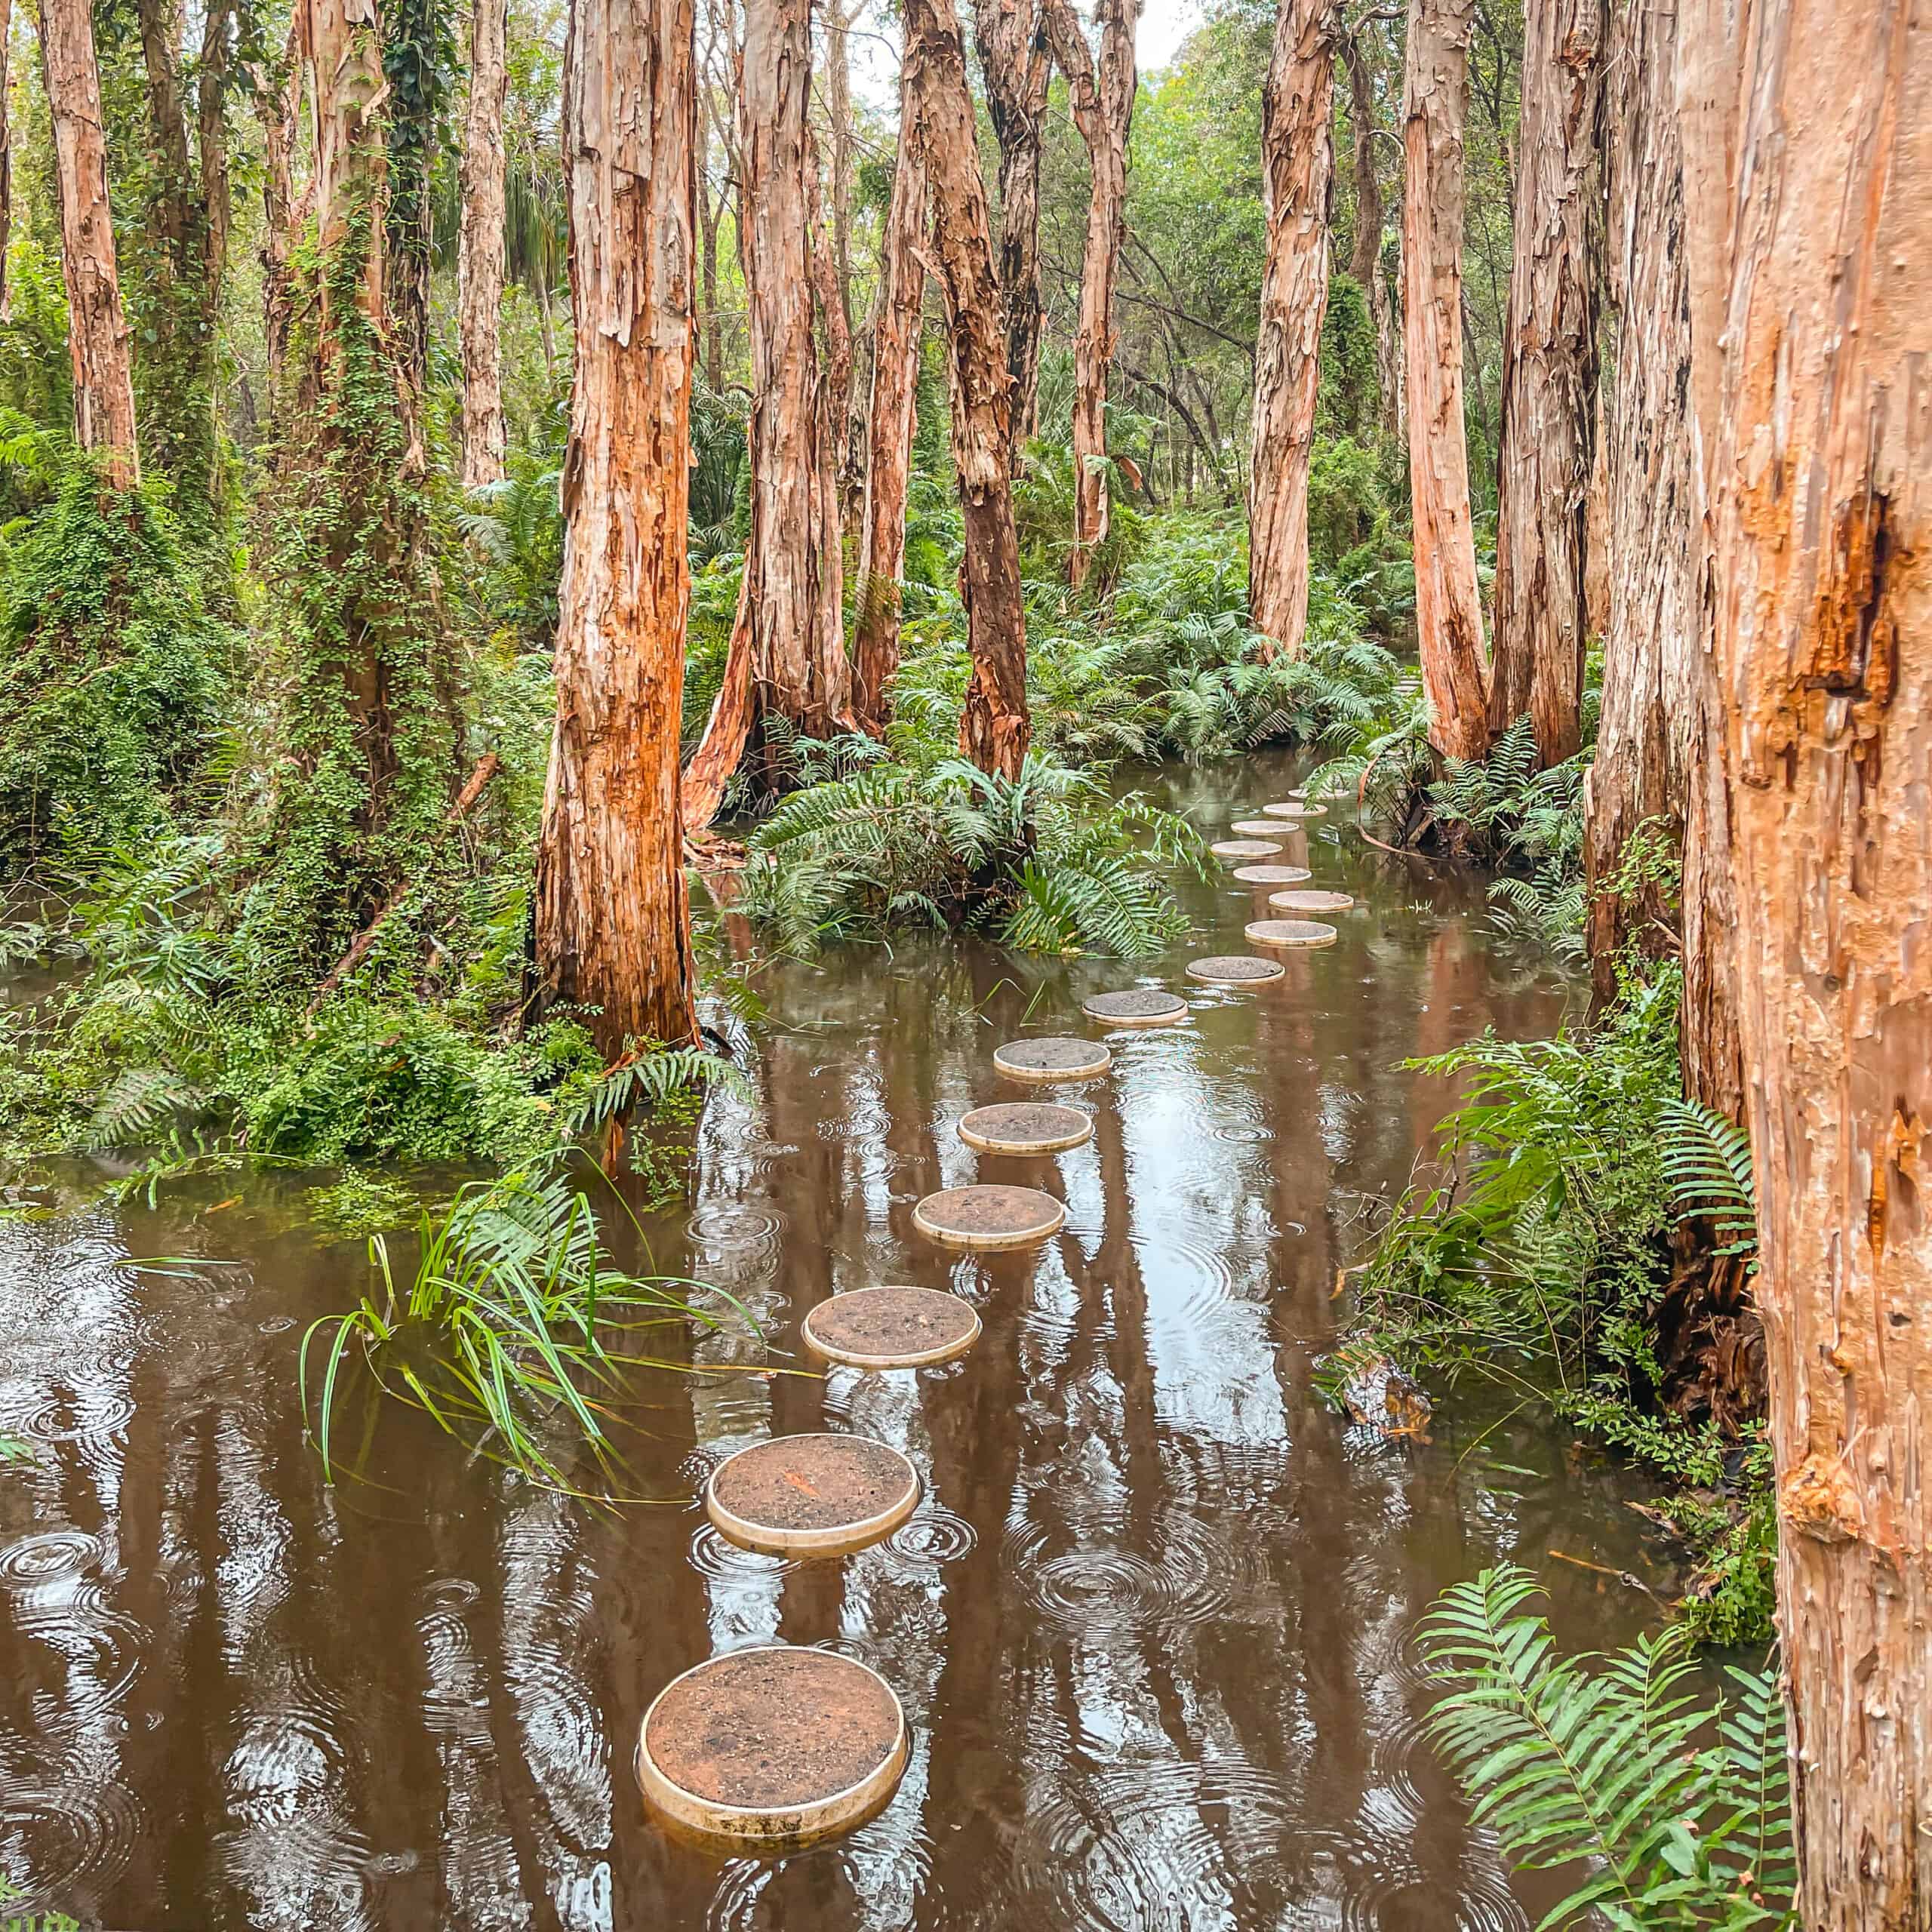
[[1144, 1006], [1289, 932], [1311, 902], [1052, 1059], [988, 1217], [774, 1747], [1273, 874], [1264, 828], [891, 1328], [1244, 848], [811, 1495], [1296, 808], [1025, 1126], [1235, 969]]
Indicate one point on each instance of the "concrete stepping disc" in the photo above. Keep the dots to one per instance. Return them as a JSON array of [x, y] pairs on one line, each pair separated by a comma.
[[1235, 969], [1025, 1127], [1311, 902], [773, 1748], [891, 1328], [1052, 1059], [1143, 1006], [1272, 874], [1290, 933], [1261, 828], [1296, 808], [988, 1217], [1244, 848], [811, 1495]]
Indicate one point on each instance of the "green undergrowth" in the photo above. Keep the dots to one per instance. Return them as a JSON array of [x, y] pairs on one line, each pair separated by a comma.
[[1534, 1248]]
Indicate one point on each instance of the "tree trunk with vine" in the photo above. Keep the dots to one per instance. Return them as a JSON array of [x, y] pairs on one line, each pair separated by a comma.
[[902, 277], [97, 331], [613, 923], [995, 727], [1810, 178], [1297, 161], [1448, 601]]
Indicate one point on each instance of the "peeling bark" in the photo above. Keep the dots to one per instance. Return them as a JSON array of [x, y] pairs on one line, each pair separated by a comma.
[[1549, 381], [1365, 253], [1103, 104], [995, 727], [787, 655], [277, 97], [613, 925], [1804, 128], [1448, 602], [480, 247], [6, 158], [1010, 37], [97, 334], [902, 275], [1297, 159]]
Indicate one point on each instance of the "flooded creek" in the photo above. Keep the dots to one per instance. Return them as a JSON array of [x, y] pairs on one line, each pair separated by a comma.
[[1150, 1624]]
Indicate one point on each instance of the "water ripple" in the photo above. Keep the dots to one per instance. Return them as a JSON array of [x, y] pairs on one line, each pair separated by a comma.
[[62, 1842]]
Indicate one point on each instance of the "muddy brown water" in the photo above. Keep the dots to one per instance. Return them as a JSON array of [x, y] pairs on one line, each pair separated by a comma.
[[1150, 1624]]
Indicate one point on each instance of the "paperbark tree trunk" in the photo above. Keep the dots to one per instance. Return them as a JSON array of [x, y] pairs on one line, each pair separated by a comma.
[[1448, 602], [277, 96], [1296, 162], [613, 921], [995, 727], [1549, 381], [1365, 251], [480, 247], [902, 277], [211, 154], [1015, 65], [97, 334], [822, 247], [1103, 104], [787, 655], [1807, 131]]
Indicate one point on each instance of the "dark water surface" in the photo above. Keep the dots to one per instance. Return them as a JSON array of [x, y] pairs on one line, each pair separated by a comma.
[[1150, 1624]]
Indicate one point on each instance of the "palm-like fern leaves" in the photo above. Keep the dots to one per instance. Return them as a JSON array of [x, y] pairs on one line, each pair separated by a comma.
[[1609, 1761], [1707, 1162]]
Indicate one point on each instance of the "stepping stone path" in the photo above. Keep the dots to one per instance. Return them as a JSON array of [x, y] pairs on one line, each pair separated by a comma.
[[988, 1217], [1145, 1006], [811, 1495], [1262, 828], [1053, 1060], [1311, 902], [769, 1748], [1025, 1127], [879, 1328], [773, 1747], [1235, 969], [1290, 933]]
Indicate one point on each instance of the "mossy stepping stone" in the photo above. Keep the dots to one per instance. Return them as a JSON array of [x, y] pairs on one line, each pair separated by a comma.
[[1273, 874], [988, 1217], [1235, 969], [811, 1495], [1052, 1059], [772, 1748], [891, 1328], [1311, 902], [1289, 932], [1294, 808], [1025, 1127], [1264, 828], [1143, 1006], [1244, 848]]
